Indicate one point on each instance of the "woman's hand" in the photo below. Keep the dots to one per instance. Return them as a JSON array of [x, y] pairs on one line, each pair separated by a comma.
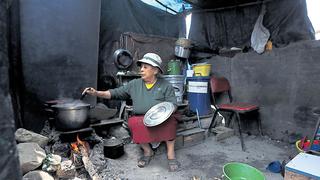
[[94, 92], [89, 90]]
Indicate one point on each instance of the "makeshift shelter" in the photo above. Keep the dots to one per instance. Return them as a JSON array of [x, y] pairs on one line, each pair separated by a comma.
[[54, 49]]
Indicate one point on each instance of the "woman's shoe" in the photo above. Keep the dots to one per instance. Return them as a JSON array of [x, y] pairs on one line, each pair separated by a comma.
[[144, 160], [173, 165]]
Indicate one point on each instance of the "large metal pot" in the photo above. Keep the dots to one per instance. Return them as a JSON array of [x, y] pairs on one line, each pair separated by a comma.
[[71, 116]]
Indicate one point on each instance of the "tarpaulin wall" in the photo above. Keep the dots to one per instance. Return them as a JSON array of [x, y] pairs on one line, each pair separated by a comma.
[[140, 44], [284, 82], [9, 162], [119, 16], [286, 20], [59, 49]]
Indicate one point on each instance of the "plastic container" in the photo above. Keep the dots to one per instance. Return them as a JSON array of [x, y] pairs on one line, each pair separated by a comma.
[[198, 95], [201, 69], [241, 171], [315, 146], [177, 81], [174, 67]]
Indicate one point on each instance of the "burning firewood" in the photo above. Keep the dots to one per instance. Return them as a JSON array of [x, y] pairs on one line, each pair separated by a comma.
[[82, 148]]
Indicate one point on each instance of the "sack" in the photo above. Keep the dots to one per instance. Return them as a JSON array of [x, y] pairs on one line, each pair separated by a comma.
[[260, 34]]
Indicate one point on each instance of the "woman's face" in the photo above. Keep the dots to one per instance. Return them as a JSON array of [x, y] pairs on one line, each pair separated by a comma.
[[148, 72]]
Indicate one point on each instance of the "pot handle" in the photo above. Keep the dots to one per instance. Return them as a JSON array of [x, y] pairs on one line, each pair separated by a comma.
[[83, 95]]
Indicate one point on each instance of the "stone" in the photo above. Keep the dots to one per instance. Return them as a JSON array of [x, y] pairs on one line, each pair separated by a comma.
[[66, 170], [37, 175], [31, 156], [51, 163], [25, 136]]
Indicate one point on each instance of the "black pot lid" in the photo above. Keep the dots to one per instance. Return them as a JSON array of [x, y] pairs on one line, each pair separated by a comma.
[[158, 114], [112, 142]]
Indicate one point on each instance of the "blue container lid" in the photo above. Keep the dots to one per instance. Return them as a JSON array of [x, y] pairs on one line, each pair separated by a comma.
[[275, 167], [199, 78]]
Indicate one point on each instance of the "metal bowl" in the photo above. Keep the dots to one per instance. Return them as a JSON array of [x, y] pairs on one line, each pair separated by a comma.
[[158, 114]]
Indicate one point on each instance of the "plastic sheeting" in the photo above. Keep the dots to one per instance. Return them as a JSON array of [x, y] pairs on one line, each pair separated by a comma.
[[141, 44], [286, 20], [9, 162], [119, 16], [59, 51], [260, 34]]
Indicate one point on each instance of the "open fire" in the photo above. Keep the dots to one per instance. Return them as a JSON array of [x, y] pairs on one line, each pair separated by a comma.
[[75, 147], [80, 156]]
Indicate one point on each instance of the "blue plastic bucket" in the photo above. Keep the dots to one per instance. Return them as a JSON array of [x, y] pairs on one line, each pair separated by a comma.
[[198, 95]]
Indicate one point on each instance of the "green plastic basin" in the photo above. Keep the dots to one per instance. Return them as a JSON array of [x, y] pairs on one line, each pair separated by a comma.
[[241, 171]]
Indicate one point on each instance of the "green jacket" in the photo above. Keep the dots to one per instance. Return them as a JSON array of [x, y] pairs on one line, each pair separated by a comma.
[[142, 98]]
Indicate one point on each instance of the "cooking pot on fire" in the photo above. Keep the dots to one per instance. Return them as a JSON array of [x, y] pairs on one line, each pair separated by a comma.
[[113, 148], [71, 115]]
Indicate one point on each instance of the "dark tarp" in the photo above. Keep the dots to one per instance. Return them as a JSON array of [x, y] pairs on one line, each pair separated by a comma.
[[59, 51], [286, 20], [59, 46], [138, 45], [141, 44], [119, 16], [9, 162]]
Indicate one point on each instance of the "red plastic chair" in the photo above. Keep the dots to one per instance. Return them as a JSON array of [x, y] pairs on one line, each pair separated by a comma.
[[220, 85]]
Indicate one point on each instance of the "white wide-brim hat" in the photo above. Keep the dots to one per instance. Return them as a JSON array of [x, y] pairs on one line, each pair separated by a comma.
[[151, 59]]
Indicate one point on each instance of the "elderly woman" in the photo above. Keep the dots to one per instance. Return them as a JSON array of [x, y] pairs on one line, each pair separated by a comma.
[[146, 92]]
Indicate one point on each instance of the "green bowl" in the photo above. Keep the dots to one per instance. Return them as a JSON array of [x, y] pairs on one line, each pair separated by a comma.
[[241, 171]]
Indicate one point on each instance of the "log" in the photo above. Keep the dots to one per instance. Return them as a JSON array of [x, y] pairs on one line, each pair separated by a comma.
[[88, 164]]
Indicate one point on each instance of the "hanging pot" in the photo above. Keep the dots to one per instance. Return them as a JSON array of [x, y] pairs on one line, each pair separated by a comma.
[[182, 48], [113, 148], [182, 52], [122, 59]]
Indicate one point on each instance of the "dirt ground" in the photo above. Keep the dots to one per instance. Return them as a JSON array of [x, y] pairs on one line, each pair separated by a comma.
[[202, 162]]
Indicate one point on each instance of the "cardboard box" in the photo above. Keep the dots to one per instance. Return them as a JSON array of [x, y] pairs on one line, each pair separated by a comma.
[[303, 167]]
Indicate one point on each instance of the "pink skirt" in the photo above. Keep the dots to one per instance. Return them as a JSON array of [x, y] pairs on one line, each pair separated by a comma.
[[142, 134]]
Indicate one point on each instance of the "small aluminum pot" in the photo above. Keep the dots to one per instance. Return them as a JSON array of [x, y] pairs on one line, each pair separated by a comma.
[[113, 148], [71, 116], [183, 52]]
